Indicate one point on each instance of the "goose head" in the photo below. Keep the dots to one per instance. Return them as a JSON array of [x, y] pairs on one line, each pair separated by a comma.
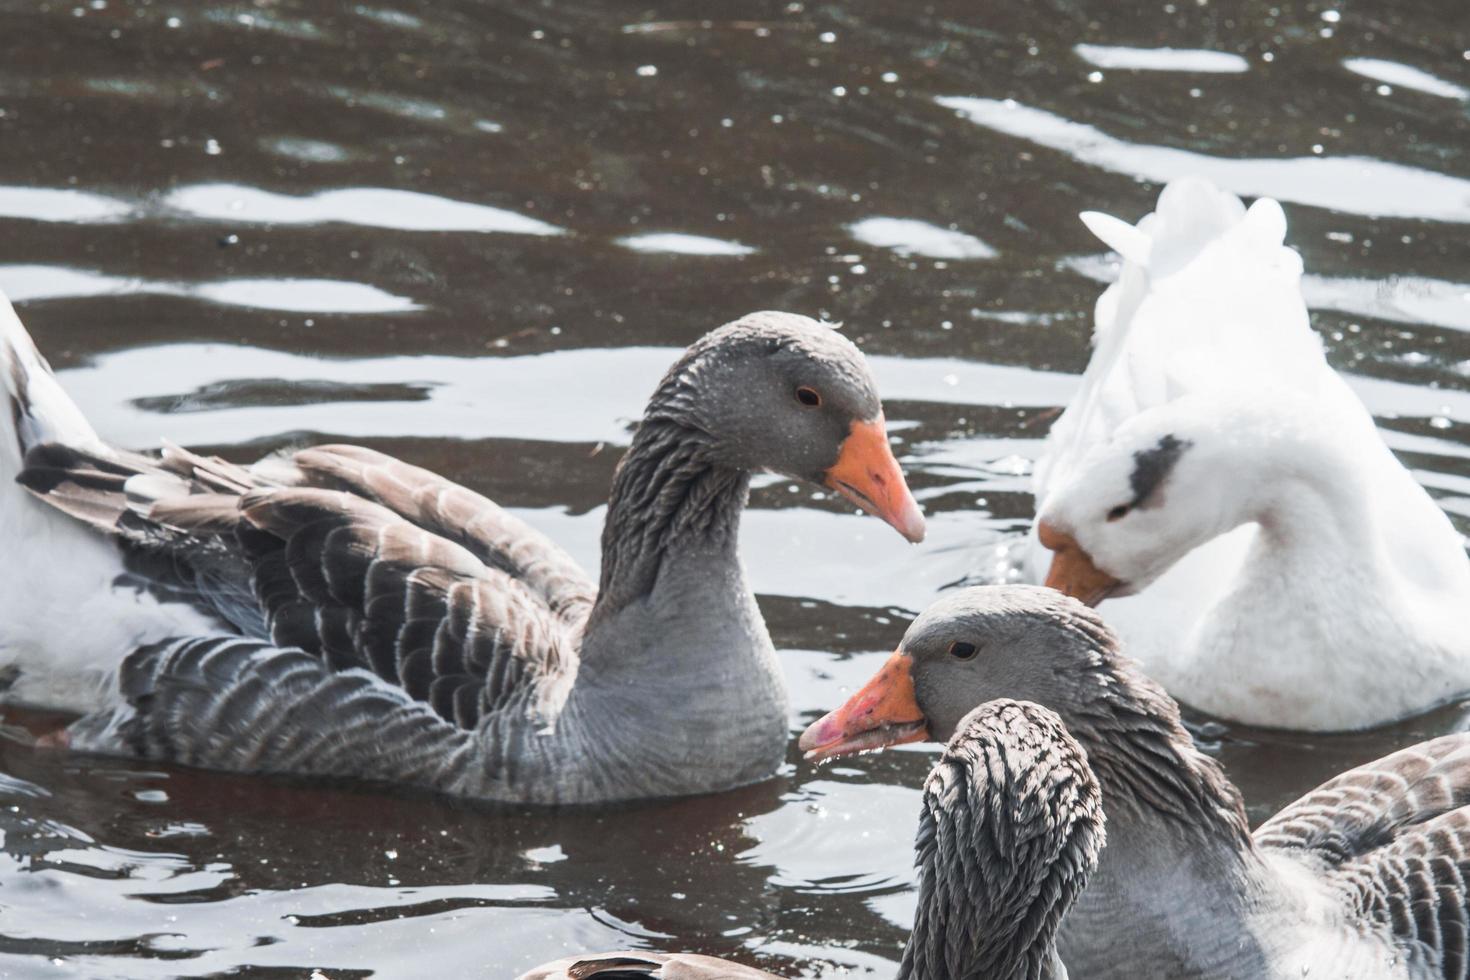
[[1168, 480], [1020, 642], [781, 392]]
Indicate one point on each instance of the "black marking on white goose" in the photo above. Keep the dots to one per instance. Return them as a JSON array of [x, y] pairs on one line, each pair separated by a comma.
[[385, 595], [1010, 829], [1365, 877]]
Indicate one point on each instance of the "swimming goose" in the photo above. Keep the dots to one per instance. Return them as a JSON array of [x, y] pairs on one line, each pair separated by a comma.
[[336, 612], [1365, 877], [1010, 829], [1284, 568]]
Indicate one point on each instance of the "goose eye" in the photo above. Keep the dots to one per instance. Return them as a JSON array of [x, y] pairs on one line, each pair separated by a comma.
[[961, 650], [1119, 512], [808, 396]]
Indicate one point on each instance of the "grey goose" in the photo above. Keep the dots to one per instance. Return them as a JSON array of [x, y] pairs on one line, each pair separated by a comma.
[[1365, 877], [336, 612]]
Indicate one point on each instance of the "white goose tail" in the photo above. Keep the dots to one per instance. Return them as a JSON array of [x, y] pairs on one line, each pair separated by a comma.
[[68, 615], [38, 410], [1209, 295]]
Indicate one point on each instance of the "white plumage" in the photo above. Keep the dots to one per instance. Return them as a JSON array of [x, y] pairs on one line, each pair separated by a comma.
[[1288, 570]]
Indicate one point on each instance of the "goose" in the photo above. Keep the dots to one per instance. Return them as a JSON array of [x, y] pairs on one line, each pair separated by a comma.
[[336, 612], [1010, 827], [1363, 878], [1260, 548]]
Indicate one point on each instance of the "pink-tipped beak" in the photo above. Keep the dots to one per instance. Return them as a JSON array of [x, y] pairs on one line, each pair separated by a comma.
[[885, 712]]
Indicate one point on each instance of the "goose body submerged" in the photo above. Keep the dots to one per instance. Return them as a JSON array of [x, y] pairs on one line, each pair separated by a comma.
[[1228, 496], [334, 611], [1010, 828], [1363, 878]]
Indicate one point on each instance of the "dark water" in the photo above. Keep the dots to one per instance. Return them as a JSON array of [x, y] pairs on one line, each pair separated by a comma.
[[473, 234]]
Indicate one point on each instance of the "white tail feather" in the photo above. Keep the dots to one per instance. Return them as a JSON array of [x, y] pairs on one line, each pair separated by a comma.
[[39, 411], [1208, 295], [65, 621]]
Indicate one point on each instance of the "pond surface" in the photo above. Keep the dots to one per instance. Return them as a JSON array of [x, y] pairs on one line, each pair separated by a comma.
[[473, 234]]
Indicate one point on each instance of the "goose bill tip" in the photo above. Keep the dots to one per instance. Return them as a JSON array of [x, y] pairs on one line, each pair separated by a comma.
[[884, 712]]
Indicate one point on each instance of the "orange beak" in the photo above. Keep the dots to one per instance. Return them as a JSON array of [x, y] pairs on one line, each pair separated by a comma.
[[1072, 568], [867, 474], [883, 713]]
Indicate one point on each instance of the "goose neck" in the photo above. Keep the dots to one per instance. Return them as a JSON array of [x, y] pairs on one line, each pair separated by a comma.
[[671, 500]]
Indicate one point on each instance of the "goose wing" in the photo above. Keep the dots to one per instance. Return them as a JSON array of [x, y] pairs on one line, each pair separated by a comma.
[[1393, 837], [1365, 809], [453, 512], [391, 572], [233, 703]]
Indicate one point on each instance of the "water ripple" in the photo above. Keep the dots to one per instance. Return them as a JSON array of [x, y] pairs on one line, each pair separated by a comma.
[[909, 236], [57, 204], [40, 282], [1354, 185], [374, 207], [1161, 59], [1405, 76], [677, 243]]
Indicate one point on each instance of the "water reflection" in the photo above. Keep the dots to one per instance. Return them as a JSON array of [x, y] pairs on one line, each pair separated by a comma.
[[675, 243], [373, 207], [909, 236], [1161, 59], [57, 204], [1405, 76], [23, 283], [1352, 185]]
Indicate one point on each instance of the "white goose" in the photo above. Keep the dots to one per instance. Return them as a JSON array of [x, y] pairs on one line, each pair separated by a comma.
[[1281, 567]]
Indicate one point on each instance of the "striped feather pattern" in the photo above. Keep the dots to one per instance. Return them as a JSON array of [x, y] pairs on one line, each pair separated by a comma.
[[226, 702], [457, 514], [427, 585], [1393, 838], [352, 581]]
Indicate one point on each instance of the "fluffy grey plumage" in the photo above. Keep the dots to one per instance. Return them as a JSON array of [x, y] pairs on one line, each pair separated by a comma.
[[1364, 877], [1011, 826], [413, 631]]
